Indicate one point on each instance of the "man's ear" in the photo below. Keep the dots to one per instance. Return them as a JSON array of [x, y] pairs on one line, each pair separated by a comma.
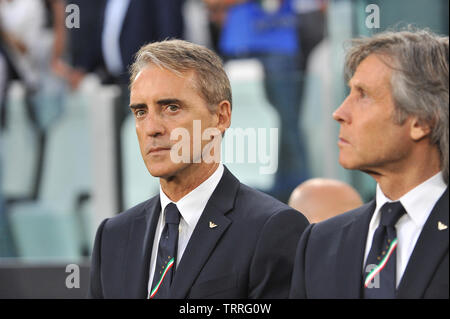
[[223, 113], [419, 129]]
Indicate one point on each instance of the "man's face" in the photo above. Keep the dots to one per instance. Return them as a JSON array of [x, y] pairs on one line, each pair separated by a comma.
[[369, 140], [162, 101]]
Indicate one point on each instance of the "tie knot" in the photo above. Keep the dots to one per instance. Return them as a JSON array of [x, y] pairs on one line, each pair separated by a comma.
[[172, 214], [391, 213]]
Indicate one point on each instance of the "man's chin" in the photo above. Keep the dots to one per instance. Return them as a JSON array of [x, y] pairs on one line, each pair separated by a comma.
[[348, 164], [160, 173], [162, 170], [357, 166]]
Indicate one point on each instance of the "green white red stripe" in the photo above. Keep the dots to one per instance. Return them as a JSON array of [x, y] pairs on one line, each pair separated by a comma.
[[381, 265], [155, 289]]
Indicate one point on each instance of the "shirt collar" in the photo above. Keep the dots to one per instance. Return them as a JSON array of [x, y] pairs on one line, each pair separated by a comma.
[[191, 206], [419, 201]]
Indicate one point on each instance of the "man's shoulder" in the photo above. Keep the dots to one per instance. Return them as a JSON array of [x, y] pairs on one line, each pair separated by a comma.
[[255, 198], [233, 194], [262, 216], [330, 226], [137, 211], [260, 204]]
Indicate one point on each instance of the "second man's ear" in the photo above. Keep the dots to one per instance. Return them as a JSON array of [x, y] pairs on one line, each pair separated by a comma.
[[419, 129]]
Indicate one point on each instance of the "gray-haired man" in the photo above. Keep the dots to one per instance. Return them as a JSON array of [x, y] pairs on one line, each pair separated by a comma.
[[394, 127], [205, 235]]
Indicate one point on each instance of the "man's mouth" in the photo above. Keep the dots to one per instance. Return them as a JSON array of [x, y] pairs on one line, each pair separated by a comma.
[[157, 150], [343, 141]]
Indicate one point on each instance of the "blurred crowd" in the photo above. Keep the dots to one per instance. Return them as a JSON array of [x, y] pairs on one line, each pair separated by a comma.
[[50, 48]]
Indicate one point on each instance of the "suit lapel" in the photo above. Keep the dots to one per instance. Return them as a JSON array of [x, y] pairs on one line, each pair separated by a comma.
[[205, 238], [351, 252], [430, 247], [140, 244]]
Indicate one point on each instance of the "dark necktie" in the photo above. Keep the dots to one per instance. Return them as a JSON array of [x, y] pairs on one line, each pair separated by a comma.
[[381, 264], [167, 251]]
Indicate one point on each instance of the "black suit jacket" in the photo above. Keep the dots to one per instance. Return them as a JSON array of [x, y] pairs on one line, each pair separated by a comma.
[[250, 254], [330, 255]]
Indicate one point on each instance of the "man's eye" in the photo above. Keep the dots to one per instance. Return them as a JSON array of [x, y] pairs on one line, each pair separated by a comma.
[[362, 93], [139, 113], [173, 107]]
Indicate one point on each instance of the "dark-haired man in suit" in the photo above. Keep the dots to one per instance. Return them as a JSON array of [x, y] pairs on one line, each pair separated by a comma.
[[394, 126], [205, 235]]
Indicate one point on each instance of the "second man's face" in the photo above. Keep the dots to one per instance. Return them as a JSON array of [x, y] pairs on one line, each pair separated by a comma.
[[369, 140], [161, 102]]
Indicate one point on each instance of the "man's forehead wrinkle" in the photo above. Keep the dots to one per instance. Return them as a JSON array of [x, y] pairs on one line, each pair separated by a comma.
[[375, 80], [164, 67], [189, 75], [141, 92]]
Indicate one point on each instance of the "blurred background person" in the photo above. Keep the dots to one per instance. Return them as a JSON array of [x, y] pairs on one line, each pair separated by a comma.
[[112, 32], [321, 198], [269, 30], [32, 41], [217, 13]]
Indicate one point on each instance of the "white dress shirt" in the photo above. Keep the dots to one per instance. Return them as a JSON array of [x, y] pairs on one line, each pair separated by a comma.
[[418, 203], [115, 12], [191, 207]]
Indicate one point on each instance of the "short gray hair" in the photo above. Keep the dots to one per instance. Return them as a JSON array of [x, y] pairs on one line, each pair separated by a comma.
[[419, 82], [181, 56]]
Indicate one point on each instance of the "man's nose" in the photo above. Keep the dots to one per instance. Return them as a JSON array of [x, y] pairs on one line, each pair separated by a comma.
[[154, 126], [341, 114]]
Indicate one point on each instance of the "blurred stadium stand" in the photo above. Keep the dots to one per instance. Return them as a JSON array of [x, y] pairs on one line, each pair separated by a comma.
[[40, 280]]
